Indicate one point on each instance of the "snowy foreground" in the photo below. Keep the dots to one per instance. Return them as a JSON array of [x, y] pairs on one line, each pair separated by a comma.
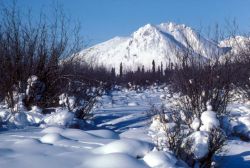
[[122, 139]]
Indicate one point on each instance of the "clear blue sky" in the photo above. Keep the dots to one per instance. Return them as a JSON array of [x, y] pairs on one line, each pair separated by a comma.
[[104, 19]]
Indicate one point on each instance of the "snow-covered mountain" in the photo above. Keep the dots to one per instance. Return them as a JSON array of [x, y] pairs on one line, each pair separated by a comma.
[[236, 43], [162, 43]]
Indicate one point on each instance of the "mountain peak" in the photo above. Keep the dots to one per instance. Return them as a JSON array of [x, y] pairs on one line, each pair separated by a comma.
[[144, 31], [161, 43]]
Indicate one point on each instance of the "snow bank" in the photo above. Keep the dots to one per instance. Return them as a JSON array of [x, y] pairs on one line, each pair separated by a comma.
[[130, 147], [132, 104], [209, 120], [53, 147], [108, 134], [158, 126], [242, 127], [199, 143], [19, 119], [51, 138], [4, 115], [237, 123], [35, 115], [195, 124], [77, 134], [160, 159], [114, 161], [234, 154], [22, 118], [61, 117], [36, 109], [245, 120], [52, 130], [27, 142]]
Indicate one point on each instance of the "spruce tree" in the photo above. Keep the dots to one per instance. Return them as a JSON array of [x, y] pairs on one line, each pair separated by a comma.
[[139, 70], [153, 66], [113, 73], [121, 73], [143, 70], [161, 69]]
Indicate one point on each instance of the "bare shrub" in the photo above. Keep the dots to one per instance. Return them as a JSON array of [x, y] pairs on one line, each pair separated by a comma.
[[200, 82], [216, 141], [241, 67], [29, 48]]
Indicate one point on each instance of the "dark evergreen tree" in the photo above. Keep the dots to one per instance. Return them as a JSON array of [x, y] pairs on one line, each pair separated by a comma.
[[158, 72], [143, 70], [161, 69], [153, 66], [121, 70], [113, 73], [139, 70]]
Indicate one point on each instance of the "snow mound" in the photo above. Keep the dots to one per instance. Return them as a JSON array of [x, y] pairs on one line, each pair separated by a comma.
[[36, 109], [195, 124], [132, 104], [19, 119], [52, 138], [235, 154], [4, 115], [34, 117], [108, 134], [160, 159], [245, 120], [199, 143], [113, 161], [52, 130], [130, 147], [209, 120], [77, 134], [242, 127], [27, 142], [158, 126], [61, 117]]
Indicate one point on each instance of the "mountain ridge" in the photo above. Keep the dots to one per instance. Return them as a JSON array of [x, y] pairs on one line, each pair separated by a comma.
[[162, 43]]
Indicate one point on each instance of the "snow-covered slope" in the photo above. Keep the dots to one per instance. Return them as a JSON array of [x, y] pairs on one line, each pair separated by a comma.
[[237, 43], [162, 43]]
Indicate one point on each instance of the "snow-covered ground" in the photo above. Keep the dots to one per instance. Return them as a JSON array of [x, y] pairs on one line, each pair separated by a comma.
[[120, 140]]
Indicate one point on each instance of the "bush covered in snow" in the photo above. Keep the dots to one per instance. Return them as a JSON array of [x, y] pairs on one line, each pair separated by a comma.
[[21, 119], [196, 143], [34, 91]]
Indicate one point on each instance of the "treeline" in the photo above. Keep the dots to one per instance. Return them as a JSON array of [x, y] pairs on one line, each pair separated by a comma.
[[156, 74]]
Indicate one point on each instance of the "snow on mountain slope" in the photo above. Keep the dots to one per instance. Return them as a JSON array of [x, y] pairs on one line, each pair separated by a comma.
[[187, 36], [237, 43], [162, 43]]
